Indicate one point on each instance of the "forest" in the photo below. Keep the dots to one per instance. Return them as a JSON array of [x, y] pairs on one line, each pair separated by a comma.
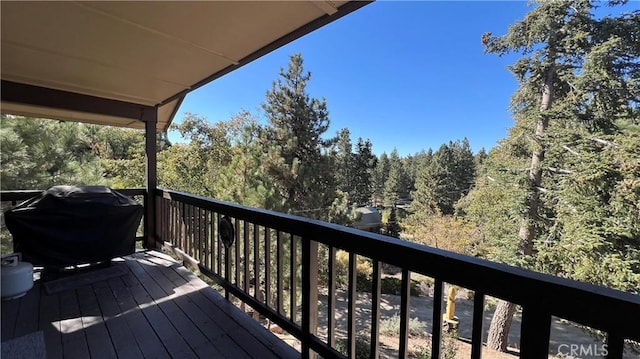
[[560, 194]]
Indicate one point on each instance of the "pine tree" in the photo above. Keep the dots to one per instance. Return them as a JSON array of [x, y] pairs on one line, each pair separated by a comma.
[[363, 171], [397, 184], [444, 178], [297, 155], [578, 76], [39, 153], [381, 173], [344, 163]]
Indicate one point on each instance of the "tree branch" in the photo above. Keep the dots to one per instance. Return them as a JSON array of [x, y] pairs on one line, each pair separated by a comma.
[[559, 170], [604, 142], [571, 151]]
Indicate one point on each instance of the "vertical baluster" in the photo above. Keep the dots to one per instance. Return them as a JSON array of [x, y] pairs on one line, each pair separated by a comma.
[[476, 330], [165, 220], [294, 265], [200, 256], [219, 244], [534, 332], [237, 252], [195, 232], [200, 236], [213, 240], [247, 260], [174, 223], [375, 308], [267, 267], [351, 314], [309, 294], [331, 301], [436, 332], [256, 261], [405, 294], [188, 230], [191, 238], [280, 259], [185, 228], [207, 239], [615, 346], [181, 229], [160, 220], [227, 266]]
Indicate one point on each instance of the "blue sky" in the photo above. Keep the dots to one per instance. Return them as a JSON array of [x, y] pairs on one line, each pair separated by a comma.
[[408, 74]]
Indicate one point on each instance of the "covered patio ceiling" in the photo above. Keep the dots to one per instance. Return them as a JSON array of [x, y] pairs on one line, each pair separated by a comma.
[[126, 63]]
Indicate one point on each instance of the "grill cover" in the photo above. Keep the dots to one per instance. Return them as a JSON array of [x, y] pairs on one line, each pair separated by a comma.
[[71, 225]]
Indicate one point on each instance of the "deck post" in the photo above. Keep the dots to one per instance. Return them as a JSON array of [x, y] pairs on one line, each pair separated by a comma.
[[152, 179], [309, 295]]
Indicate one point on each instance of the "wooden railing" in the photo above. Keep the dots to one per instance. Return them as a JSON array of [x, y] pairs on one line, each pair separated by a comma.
[[273, 264]]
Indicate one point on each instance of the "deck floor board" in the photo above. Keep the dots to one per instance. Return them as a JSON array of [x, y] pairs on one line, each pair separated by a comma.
[[158, 309]]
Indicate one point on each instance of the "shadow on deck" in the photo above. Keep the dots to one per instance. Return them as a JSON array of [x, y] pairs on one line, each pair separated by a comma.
[[158, 309]]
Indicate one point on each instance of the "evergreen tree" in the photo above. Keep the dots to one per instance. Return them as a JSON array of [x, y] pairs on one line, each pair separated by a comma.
[[464, 167], [39, 153], [243, 179], [363, 171], [578, 77], [381, 173], [397, 183], [392, 227], [344, 163], [197, 166], [444, 178], [297, 155]]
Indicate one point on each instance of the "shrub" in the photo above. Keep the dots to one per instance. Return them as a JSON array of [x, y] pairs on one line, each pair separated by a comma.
[[363, 269], [363, 347], [391, 326], [448, 350], [420, 352], [392, 285]]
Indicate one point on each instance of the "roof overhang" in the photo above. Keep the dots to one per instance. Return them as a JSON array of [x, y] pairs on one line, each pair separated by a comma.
[[114, 63]]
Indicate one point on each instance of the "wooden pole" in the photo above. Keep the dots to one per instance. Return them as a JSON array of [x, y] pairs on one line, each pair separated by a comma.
[[152, 179]]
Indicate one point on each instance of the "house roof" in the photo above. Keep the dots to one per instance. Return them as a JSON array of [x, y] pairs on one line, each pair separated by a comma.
[[115, 63]]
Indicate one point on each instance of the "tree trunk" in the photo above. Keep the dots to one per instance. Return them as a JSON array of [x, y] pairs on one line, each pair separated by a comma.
[[501, 321], [527, 231], [500, 326]]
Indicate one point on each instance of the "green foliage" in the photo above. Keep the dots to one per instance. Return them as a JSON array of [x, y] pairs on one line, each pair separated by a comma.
[[443, 178], [344, 162], [448, 348], [397, 183], [393, 286], [392, 224], [380, 175], [363, 347], [391, 326], [364, 164], [567, 172], [39, 153], [497, 203], [298, 161], [453, 233], [363, 270]]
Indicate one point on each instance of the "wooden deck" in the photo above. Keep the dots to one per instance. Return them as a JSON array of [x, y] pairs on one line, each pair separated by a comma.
[[158, 309]]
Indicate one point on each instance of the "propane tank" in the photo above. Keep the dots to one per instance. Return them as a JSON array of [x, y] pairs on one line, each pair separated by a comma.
[[17, 276]]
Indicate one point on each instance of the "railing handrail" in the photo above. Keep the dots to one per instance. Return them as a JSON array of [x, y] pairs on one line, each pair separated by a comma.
[[592, 305]]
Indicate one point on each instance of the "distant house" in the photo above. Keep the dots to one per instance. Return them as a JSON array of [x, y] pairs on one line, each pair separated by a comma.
[[368, 219]]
